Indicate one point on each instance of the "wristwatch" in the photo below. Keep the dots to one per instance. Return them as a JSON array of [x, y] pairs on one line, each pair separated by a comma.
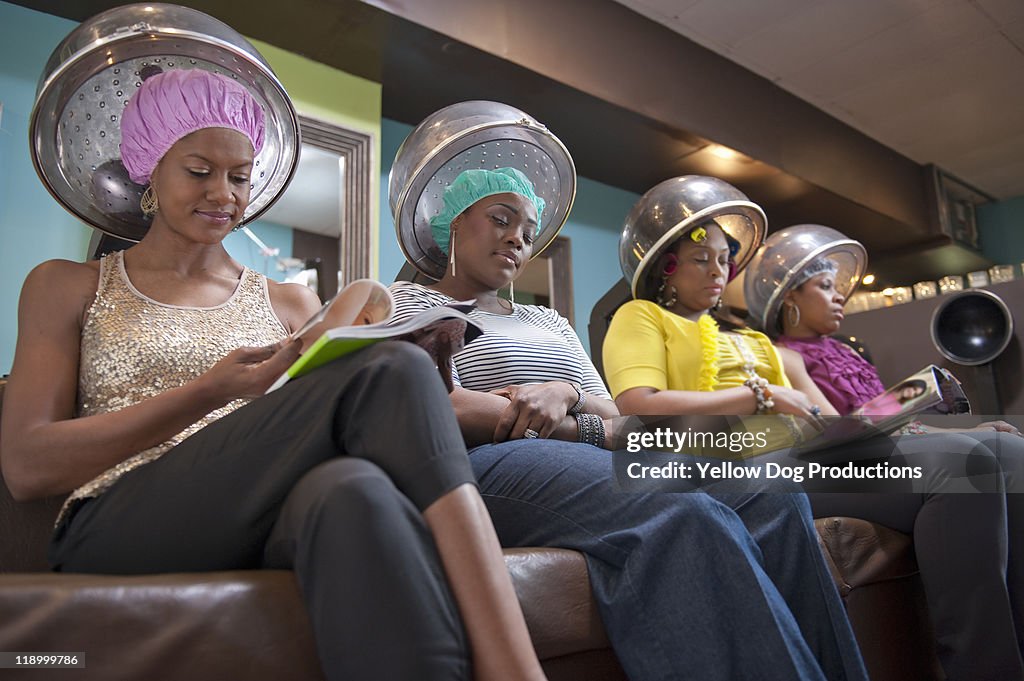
[[578, 407]]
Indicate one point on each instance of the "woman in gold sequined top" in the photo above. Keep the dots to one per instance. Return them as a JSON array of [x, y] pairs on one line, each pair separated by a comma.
[[135, 386]]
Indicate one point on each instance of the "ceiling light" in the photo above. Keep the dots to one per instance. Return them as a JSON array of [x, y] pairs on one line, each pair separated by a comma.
[[724, 152]]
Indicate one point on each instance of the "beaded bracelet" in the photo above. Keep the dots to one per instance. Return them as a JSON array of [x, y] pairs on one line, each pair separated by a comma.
[[591, 429], [763, 394], [913, 428]]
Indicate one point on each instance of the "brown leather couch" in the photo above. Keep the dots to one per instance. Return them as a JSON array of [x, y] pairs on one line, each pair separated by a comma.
[[251, 624]]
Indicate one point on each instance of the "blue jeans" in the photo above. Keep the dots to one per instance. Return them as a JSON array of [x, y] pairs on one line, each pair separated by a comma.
[[712, 584]]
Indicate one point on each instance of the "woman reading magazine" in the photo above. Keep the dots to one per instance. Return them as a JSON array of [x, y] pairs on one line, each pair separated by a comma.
[[134, 389], [666, 353], [361, 315]]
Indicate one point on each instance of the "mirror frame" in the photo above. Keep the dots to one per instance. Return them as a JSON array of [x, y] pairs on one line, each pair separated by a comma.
[[356, 149]]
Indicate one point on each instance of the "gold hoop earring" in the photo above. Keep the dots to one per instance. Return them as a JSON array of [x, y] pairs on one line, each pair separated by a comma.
[[453, 254], [149, 203], [792, 316]]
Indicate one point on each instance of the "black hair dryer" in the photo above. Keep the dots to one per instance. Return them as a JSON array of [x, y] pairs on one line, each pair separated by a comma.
[[971, 329]]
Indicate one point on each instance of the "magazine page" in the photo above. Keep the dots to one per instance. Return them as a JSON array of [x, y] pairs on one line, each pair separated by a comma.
[[341, 341], [910, 396], [362, 302], [883, 414]]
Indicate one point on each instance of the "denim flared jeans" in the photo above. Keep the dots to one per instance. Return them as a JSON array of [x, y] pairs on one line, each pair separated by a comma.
[[719, 583]]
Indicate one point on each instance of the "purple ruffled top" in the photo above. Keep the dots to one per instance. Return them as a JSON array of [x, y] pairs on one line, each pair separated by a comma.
[[844, 377]]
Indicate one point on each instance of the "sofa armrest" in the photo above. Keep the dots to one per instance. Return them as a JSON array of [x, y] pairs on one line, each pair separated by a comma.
[[220, 625], [554, 591]]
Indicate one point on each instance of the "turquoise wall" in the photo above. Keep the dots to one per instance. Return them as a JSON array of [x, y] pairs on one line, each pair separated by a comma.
[[244, 250], [593, 228], [33, 227], [391, 260], [1001, 230]]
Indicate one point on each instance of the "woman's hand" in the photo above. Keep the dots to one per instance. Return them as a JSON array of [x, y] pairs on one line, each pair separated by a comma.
[[998, 426], [790, 401], [248, 372], [540, 408]]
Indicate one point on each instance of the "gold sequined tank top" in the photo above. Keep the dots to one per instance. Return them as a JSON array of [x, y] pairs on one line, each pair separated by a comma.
[[134, 348]]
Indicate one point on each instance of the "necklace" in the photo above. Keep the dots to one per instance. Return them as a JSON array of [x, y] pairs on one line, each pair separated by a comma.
[[757, 383], [749, 361]]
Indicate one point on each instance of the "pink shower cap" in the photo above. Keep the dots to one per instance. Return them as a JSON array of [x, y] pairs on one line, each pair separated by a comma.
[[173, 104]]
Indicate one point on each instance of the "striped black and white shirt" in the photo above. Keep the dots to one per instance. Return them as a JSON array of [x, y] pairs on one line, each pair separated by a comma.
[[533, 344]]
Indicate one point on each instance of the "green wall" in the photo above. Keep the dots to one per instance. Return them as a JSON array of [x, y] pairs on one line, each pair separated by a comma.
[[333, 96]]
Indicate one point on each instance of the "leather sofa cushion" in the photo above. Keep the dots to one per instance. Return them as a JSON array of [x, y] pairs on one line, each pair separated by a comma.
[[249, 624]]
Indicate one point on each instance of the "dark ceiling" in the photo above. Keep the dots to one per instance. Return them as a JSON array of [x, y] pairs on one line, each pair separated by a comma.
[[627, 125]]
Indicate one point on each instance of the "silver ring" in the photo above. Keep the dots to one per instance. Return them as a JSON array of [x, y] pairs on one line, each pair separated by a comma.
[[815, 410], [530, 433]]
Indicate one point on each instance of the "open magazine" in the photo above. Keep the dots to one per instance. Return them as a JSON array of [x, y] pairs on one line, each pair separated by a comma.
[[932, 390], [360, 315]]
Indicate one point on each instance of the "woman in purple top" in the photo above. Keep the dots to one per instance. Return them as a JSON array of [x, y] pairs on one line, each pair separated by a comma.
[[973, 577], [813, 311]]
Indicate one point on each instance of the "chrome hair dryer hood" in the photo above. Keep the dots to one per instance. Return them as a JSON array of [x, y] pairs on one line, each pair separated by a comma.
[[474, 135], [74, 131]]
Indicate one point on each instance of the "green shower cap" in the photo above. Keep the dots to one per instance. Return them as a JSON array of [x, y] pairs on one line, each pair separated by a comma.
[[471, 186]]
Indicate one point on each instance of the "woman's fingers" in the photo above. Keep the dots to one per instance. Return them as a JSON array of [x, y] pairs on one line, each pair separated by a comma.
[[999, 426], [506, 422], [281, 358], [525, 417], [547, 429], [248, 372]]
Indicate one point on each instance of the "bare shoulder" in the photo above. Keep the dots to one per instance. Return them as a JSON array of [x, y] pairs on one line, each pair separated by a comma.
[[792, 360], [60, 285], [293, 303], [66, 271]]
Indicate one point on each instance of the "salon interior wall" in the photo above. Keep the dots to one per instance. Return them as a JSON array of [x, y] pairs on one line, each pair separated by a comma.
[[1001, 231], [593, 229], [34, 228]]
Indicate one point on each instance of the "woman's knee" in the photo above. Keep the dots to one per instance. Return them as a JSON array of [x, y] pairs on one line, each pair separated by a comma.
[[342, 505], [951, 462], [348, 486]]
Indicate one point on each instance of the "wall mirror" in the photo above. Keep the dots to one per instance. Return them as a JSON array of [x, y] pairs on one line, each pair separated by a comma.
[[327, 204], [547, 279]]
